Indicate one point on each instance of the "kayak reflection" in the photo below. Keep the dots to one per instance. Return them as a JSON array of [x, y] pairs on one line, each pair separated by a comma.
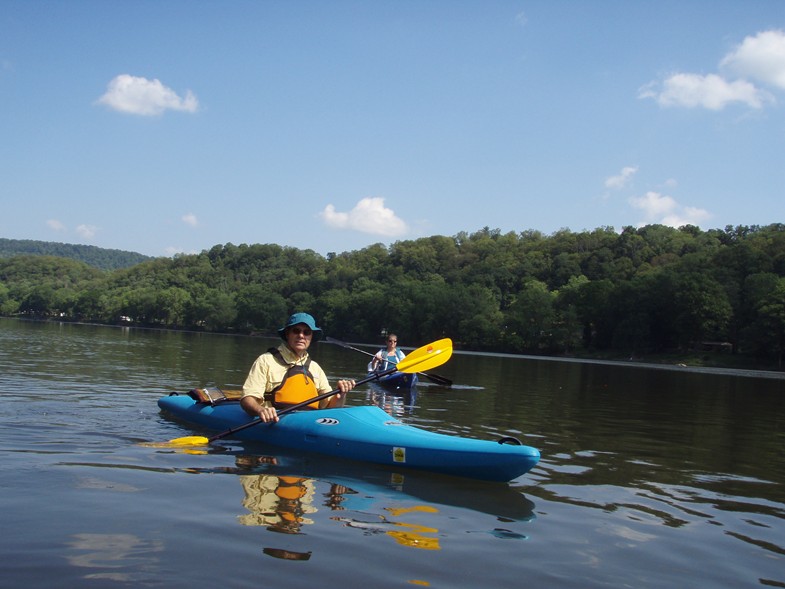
[[414, 535], [394, 402], [283, 504], [406, 508]]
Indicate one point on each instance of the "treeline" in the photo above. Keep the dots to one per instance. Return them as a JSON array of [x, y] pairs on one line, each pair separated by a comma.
[[102, 258], [638, 291]]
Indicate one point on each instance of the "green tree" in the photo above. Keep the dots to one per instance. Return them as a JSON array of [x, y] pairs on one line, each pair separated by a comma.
[[172, 303], [771, 312], [259, 308], [700, 308], [530, 318], [213, 309]]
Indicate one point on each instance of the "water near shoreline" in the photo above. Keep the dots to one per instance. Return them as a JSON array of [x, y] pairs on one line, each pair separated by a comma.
[[649, 477]]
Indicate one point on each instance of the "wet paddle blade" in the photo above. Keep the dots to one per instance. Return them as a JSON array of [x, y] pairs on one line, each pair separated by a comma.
[[427, 357], [187, 441]]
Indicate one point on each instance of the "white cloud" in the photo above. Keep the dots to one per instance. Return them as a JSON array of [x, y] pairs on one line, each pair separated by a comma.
[[190, 219], [624, 177], [686, 216], [55, 224], [653, 204], [761, 58], [710, 91], [86, 231], [665, 210], [368, 216], [140, 96]]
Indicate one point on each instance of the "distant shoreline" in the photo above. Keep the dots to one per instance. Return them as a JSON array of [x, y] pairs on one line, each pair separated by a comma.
[[703, 362]]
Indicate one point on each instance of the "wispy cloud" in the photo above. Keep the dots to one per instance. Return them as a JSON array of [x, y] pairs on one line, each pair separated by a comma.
[[368, 216], [190, 219], [55, 225], [622, 179], [86, 231], [760, 58], [665, 210], [711, 91], [140, 96]]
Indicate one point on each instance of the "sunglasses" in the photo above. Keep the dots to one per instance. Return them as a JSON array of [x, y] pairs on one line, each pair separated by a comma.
[[392, 341], [300, 331]]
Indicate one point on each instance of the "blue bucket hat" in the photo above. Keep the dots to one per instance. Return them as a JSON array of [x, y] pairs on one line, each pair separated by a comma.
[[304, 318]]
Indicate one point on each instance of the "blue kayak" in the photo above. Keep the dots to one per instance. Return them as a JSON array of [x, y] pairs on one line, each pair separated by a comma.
[[397, 381], [365, 433]]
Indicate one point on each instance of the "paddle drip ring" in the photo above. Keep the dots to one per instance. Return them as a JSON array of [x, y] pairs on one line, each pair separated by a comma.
[[510, 440]]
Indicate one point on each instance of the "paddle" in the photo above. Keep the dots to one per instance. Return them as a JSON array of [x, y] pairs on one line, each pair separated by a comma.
[[426, 357], [434, 378]]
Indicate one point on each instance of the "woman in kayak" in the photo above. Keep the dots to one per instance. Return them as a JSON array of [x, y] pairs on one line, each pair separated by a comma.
[[387, 358], [286, 375]]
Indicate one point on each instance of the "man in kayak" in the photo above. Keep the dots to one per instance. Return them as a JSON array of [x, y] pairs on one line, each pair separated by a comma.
[[286, 375]]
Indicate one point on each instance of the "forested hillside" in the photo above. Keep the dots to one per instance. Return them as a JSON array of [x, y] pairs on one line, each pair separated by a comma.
[[104, 259], [637, 291]]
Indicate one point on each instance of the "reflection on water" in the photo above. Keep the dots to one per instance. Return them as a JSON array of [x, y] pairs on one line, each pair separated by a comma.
[[113, 557], [281, 504], [285, 504], [396, 403], [413, 535], [284, 554]]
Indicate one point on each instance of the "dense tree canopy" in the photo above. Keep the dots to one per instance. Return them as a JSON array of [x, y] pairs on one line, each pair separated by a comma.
[[640, 290]]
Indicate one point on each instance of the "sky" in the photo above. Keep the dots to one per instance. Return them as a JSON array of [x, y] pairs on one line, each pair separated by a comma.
[[171, 126]]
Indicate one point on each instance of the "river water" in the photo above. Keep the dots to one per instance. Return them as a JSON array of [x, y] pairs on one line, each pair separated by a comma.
[[650, 476]]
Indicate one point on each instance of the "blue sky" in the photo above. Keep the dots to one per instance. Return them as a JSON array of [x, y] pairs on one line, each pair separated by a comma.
[[172, 126]]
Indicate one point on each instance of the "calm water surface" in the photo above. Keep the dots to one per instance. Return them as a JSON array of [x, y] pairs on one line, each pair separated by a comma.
[[650, 477]]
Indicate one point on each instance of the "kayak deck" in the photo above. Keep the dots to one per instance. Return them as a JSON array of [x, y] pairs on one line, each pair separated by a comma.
[[365, 433]]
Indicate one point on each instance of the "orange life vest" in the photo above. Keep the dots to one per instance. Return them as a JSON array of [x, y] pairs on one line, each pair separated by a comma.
[[298, 385]]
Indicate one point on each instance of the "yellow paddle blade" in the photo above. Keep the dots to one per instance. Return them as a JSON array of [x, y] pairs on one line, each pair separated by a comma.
[[189, 441], [427, 357], [180, 442]]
